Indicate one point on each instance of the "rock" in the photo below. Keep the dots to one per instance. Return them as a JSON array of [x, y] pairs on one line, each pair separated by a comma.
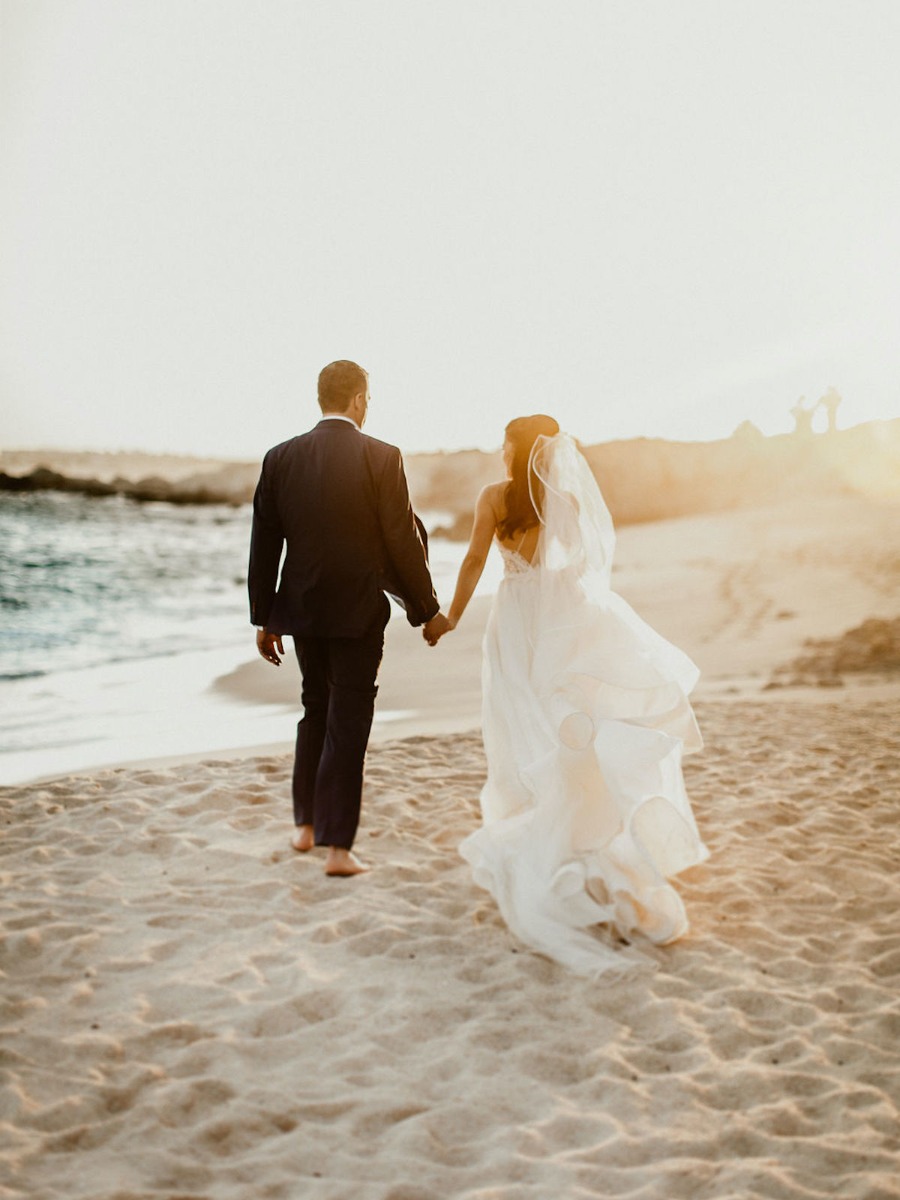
[[870, 648]]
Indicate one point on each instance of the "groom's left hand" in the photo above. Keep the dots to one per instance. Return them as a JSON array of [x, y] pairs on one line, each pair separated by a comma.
[[269, 645]]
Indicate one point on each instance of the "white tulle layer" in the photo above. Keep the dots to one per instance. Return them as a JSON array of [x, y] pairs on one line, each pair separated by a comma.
[[585, 720]]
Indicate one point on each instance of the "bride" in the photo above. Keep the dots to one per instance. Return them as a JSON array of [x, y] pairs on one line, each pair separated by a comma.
[[585, 720]]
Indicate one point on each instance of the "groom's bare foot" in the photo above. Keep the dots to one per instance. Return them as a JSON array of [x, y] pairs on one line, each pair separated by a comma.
[[343, 862], [303, 838]]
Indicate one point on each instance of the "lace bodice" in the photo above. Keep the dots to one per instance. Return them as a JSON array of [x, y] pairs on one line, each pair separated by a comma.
[[514, 563]]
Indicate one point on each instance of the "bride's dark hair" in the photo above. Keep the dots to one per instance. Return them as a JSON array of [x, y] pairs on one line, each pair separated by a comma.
[[522, 433]]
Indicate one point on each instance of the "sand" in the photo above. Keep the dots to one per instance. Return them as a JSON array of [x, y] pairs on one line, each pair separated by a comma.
[[193, 1010]]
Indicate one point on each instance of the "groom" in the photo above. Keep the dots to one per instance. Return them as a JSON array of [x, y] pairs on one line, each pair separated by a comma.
[[339, 499]]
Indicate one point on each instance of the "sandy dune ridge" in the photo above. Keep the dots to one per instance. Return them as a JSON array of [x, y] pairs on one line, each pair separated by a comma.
[[191, 1010], [643, 479]]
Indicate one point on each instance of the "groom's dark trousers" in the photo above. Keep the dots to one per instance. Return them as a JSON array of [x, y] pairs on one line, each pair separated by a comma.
[[338, 696], [338, 500]]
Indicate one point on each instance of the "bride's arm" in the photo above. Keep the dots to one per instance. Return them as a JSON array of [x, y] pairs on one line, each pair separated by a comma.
[[476, 555]]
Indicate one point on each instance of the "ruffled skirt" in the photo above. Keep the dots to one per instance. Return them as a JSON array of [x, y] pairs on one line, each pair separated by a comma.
[[585, 815]]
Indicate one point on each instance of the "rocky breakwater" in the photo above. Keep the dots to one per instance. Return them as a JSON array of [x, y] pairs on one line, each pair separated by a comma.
[[230, 484]]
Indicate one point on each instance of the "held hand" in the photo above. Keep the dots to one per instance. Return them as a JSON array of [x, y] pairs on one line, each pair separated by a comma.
[[434, 630], [269, 645]]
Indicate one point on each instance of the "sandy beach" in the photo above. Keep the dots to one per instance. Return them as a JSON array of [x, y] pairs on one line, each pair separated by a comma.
[[192, 1010], [277, 278]]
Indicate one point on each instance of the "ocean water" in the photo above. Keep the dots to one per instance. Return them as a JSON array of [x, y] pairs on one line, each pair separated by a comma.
[[86, 581], [117, 618]]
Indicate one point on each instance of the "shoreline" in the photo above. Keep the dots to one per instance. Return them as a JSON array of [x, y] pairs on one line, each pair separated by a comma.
[[185, 707], [740, 593], [414, 726]]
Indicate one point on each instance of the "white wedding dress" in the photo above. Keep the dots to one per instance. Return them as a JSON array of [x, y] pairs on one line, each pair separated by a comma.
[[585, 719]]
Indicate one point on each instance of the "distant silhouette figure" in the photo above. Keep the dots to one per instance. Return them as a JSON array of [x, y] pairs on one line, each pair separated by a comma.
[[802, 418], [830, 402]]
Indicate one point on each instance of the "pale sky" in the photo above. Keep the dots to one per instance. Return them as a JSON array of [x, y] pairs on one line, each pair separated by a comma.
[[646, 218]]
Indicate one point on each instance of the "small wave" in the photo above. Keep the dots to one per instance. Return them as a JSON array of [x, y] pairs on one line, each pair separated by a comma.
[[84, 582]]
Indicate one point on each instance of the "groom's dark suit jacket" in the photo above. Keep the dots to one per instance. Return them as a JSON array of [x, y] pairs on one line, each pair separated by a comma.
[[339, 499]]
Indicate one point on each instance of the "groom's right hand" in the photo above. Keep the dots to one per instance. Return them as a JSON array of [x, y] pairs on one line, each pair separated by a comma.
[[434, 630], [269, 645]]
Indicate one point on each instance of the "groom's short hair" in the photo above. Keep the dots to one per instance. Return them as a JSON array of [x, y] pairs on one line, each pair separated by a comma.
[[339, 382]]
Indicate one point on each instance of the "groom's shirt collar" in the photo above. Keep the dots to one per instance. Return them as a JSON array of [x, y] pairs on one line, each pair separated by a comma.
[[338, 417]]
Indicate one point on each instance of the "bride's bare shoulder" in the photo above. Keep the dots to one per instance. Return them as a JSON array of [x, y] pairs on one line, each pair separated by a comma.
[[492, 496]]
